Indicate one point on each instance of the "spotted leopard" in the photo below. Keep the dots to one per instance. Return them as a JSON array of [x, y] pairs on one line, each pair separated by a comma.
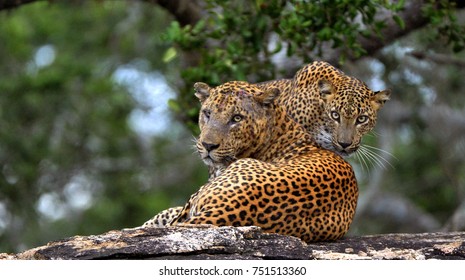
[[274, 176], [336, 109]]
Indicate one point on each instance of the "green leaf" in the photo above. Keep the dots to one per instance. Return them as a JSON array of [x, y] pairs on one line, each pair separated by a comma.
[[199, 27], [169, 55], [400, 22], [325, 34]]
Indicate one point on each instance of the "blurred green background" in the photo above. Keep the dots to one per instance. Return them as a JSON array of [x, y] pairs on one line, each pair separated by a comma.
[[97, 114]]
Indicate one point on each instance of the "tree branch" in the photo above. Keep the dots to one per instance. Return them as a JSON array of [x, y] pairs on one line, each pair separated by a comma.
[[437, 58], [183, 243], [412, 17], [10, 4], [186, 12]]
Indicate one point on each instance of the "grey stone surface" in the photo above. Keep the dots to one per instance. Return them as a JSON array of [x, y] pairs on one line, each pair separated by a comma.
[[244, 243]]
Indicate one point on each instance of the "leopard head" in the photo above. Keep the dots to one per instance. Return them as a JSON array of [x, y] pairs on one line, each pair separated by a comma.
[[350, 111], [234, 121]]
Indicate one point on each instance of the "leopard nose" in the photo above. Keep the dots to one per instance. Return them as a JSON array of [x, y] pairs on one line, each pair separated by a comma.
[[210, 147], [344, 144]]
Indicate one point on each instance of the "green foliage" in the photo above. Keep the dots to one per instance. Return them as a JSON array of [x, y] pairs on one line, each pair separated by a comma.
[[244, 37], [238, 40], [65, 130], [65, 123], [444, 19]]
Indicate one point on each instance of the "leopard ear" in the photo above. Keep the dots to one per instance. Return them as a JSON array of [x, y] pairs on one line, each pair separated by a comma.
[[268, 96], [379, 98], [202, 91], [325, 89]]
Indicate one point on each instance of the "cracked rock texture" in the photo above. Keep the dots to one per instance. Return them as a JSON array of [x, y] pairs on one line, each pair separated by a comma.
[[244, 243]]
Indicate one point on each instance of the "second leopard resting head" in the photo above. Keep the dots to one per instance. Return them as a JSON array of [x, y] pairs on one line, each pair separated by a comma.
[[336, 109], [274, 176]]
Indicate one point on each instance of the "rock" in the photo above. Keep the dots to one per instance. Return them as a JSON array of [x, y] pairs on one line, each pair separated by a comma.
[[244, 243]]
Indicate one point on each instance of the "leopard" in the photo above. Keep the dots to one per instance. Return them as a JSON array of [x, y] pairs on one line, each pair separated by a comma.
[[274, 174], [162, 218], [335, 108]]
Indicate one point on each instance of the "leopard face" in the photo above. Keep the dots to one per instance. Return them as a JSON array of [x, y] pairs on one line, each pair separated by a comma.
[[233, 122], [336, 109], [350, 111]]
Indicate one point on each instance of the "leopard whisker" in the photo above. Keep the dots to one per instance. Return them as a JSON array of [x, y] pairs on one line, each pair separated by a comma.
[[376, 149], [373, 154], [376, 158], [360, 157], [195, 145]]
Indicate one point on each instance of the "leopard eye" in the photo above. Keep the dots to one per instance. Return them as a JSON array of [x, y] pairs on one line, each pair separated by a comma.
[[362, 119], [236, 118], [335, 115]]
